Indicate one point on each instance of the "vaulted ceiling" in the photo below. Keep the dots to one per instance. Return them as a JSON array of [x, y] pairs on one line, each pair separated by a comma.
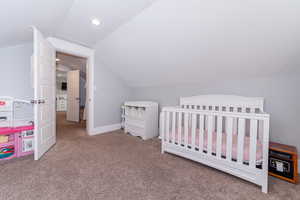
[[176, 42], [167, 42], [66, 19]]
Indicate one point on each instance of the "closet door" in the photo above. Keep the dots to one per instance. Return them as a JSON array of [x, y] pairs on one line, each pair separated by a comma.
[[73, 95]]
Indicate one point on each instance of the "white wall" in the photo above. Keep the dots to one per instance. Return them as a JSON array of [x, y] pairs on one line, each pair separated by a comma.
[[15, 68]]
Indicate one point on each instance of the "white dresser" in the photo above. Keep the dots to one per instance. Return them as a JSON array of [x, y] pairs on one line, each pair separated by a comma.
[[141, 119]]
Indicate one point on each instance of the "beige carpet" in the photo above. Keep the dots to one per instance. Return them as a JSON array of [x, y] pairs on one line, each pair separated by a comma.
[[116, 166]]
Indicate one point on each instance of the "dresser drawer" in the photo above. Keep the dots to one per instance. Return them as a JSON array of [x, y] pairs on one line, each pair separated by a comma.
[[135, 122], [134, 130]]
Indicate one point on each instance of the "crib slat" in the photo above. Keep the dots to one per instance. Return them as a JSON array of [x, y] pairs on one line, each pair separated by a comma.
[[235, 121], [219, 136], [186, 129], [209, 134], [235, 125], [168, 127], [173, 127], [253, 142], [229, 138], [241, 137], [179, 128], [201, 132], [194, 116], [265, 144]]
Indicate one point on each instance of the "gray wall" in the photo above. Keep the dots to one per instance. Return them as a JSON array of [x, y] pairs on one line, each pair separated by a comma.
[[281, 93], [15, 81], [15, 65], [110, 94]]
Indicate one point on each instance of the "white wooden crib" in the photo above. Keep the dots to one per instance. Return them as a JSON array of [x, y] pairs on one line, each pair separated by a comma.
[[204, 127]]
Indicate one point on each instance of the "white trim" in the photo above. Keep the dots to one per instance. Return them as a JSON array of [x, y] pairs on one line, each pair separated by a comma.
[[224, 100], [105, 129], [78, 50]]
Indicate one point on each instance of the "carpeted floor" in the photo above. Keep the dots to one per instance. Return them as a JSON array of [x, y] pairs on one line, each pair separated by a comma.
[[116, 166]]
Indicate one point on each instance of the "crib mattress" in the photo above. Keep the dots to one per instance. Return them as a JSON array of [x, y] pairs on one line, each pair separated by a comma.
[[246, 150]]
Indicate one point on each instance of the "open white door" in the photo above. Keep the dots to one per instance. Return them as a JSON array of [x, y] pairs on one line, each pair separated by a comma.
[[73, 82], [44, 94]]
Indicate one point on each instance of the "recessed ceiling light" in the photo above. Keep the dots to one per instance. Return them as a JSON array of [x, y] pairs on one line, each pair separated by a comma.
[[57, 59], [95, 22]]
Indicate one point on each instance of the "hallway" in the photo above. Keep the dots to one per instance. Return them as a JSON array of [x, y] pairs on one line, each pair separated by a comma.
[[69, 130]]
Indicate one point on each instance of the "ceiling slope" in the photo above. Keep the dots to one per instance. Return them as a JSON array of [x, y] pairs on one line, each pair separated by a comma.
[[66, 19], [77, 26], [16, 16], [176, 42]]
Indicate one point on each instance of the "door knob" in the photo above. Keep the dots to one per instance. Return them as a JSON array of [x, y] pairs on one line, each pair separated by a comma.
[[41, 101]]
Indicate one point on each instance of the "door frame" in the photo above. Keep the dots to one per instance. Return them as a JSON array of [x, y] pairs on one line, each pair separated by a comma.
[[78, 50]]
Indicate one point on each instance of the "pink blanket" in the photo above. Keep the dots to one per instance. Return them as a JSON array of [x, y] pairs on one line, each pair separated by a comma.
[[246, 153]]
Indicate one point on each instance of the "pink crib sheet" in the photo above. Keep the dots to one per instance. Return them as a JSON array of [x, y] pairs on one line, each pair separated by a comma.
[[246, 153]]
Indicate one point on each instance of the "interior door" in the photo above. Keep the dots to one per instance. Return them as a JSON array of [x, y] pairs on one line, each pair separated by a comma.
[[44, 81], [73, 81]]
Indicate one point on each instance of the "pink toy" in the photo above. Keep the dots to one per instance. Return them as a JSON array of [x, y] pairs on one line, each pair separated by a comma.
[[17, 138]]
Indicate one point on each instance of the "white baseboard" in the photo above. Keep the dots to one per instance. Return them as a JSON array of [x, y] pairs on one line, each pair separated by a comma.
[[105, 129]]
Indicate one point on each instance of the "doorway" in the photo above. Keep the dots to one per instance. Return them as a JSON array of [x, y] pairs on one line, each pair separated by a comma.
[[87, 53], [44, 84], [71, 84]]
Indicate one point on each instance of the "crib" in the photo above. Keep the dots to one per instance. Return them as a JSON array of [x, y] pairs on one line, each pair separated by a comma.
[[226, 132]]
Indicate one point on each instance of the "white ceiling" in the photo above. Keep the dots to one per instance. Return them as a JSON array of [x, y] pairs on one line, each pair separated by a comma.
[[71, 62], [175, 42], [66, 19], [16, 16], [168, 42]]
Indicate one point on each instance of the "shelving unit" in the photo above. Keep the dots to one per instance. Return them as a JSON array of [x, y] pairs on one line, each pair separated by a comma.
[[12, 141], [16, 140], [141, 119]]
